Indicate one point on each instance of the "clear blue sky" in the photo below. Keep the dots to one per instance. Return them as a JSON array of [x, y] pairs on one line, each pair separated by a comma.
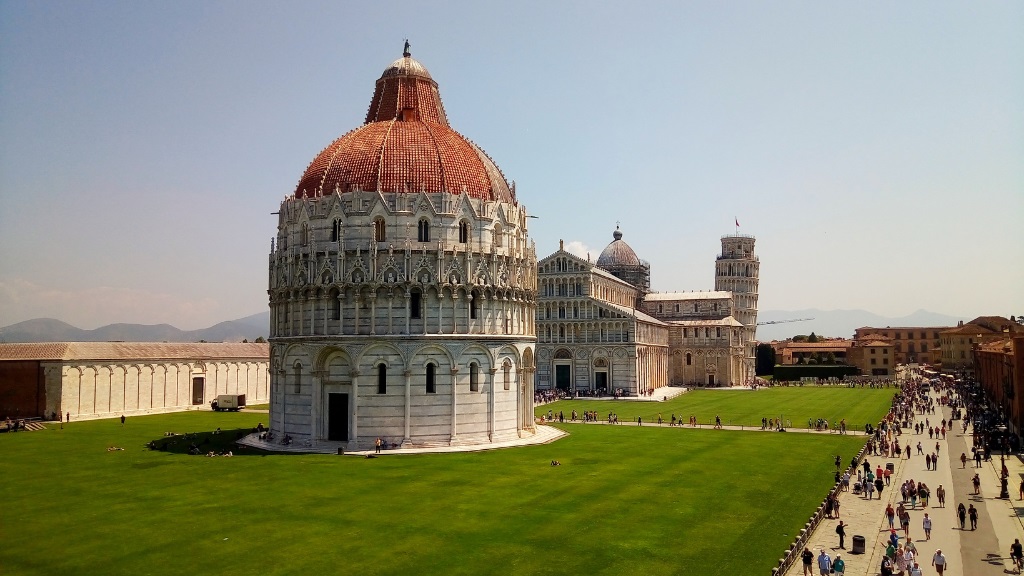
[[876, 149]]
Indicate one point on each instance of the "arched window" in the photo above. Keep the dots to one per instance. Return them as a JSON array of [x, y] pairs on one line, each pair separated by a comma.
[[497, 235], [336, 230], [298, 377], [415, 304], [463, 232], [305, 234], [507, 369], [561, 310], [474, 377], [423, 231], [689, 359], [335, 306], [382, 379], [379, 230], [694, 306], [431, 378]]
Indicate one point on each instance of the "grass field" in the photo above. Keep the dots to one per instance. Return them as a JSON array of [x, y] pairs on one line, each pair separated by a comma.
[[626, 500], [746, 407]]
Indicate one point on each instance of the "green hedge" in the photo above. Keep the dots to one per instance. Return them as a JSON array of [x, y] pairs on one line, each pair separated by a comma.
[[798, 371]]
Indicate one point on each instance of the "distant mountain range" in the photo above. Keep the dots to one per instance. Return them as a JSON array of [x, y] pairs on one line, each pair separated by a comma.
[[50, 330], [840, 323]]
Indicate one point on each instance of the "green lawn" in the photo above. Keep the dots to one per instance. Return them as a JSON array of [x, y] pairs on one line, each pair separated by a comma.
[[746, 407], [626, 500]]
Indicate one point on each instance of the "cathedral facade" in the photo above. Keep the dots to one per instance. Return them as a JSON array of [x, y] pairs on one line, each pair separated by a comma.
[[600, 328], [402, 285]]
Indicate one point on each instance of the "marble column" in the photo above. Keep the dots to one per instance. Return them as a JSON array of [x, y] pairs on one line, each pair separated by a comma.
[[353, 438], [408, 406], [490, 408], [455, 393]]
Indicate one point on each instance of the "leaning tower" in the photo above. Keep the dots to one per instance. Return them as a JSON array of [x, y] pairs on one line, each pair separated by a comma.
[[736, 271]]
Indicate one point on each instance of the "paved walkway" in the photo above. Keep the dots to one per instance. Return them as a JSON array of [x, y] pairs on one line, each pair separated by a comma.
[[543, 435], [982, 552]]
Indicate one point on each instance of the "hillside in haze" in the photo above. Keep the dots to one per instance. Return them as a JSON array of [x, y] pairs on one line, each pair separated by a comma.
[[841, 323], [833, 323], [50, 330]]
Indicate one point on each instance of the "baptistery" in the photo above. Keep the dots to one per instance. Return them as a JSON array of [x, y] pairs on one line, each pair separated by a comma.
[[402, 286]]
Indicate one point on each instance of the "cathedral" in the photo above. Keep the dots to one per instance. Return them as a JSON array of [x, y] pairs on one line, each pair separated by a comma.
[[601, 329], [402, 286]]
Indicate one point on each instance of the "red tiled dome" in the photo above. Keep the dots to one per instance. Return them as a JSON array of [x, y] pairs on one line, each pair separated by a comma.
[[405, 145]]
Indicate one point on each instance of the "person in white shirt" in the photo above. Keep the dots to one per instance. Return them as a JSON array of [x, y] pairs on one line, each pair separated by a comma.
[[908, 557], [824, 563], [926, 523], [939, 561], [915, 570]]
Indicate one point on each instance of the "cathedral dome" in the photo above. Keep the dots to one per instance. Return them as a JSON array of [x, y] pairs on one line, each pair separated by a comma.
[[405, 145], [618, 253]]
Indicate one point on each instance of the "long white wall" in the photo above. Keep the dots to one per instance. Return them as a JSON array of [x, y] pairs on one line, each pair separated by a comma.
[[104, 390]]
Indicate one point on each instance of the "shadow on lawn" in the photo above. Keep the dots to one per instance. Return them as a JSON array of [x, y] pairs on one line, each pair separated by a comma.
[[219, 442]]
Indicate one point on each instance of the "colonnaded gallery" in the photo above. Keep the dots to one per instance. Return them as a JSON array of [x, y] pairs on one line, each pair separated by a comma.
[[402, 285], [599, 327]]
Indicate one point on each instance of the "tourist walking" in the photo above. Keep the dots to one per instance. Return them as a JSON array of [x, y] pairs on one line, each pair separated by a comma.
[[839, 565], [961, 514], [886, 567], [824, 563], [841, 531], [940, 493], [926, 523], [808, 559], [972, 513], [939, 561]]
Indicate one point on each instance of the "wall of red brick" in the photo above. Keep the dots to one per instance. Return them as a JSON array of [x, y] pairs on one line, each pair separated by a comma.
[[22, 390]]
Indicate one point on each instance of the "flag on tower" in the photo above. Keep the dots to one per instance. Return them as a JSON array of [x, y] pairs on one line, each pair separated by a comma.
[[737, 221]]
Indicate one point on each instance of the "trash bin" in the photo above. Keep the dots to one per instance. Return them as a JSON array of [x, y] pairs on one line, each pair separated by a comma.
[[858, 545], [341, 451], [890, 466]]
